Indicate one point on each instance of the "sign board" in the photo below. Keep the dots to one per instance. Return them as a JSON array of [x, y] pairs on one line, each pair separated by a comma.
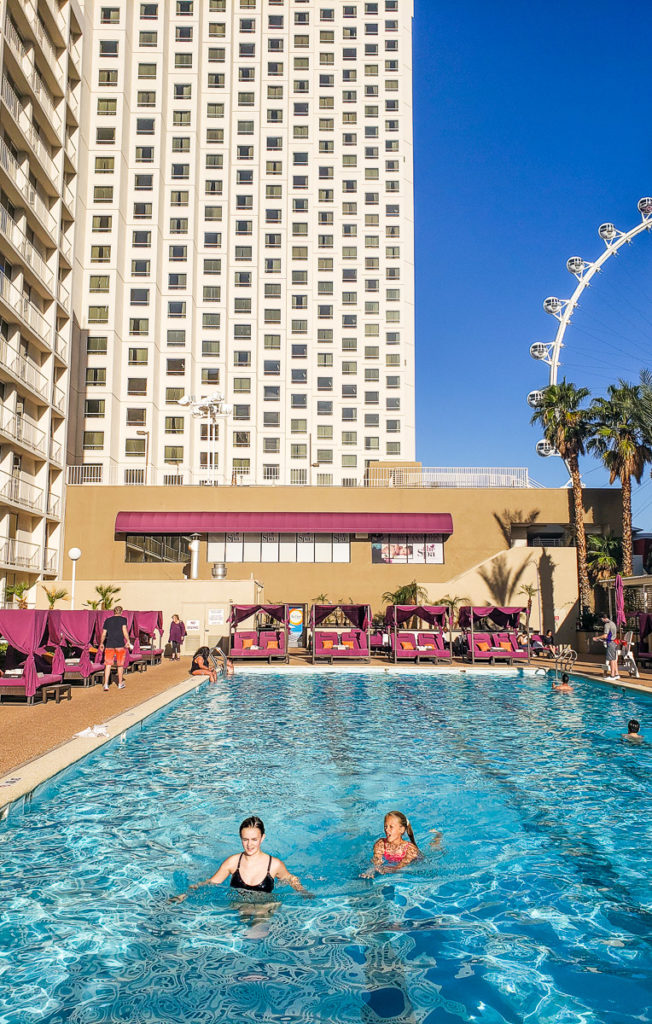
[[215, 616], [192, 625], [297, 617]]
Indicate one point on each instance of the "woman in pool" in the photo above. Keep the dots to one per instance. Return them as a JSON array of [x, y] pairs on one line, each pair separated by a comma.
[[394, 852], [201, 666], [252, 870]]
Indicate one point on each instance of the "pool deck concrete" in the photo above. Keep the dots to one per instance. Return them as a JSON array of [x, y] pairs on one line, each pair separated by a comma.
[[38, 741]]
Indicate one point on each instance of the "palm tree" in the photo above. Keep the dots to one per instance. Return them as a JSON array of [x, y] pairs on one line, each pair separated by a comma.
[[566, 426], [107, 594], [18, 591], [604, 555], [53, 595], [409, 593], [528, 590], [455, 603], [620, 441]]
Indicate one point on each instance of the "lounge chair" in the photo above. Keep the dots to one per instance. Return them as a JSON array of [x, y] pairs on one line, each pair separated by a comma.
[[268, 645], [330, 645], [495, 647], [14, 684]]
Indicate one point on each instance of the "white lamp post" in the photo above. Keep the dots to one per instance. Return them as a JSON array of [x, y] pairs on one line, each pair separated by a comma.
[[74, 555], [209, 407]]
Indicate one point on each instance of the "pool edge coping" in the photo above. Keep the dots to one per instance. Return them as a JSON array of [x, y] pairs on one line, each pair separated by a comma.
[[46, 766]]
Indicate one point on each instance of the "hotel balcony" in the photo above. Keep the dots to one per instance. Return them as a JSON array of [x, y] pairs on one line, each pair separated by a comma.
[[35, 83], [22, 245], [19, 308], [54, 507], [73, 105], [30, 25], [56, 453], [61, 348], [26, 193], [68, 197], [15, 491], [59, 400], [21, 554], [23, 433], [24, 371], [44, 165]]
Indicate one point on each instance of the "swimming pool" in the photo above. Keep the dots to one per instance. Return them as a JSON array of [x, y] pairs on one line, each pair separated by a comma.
[[536, 907]]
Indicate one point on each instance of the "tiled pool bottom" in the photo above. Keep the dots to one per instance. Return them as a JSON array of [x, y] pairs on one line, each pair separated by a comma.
[[535, 908]]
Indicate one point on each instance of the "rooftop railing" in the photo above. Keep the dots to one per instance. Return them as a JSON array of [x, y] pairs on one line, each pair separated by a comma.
[[119, 474]]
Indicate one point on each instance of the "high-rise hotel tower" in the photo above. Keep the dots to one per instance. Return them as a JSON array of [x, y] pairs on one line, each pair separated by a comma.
[[245, 231], [40, 103]]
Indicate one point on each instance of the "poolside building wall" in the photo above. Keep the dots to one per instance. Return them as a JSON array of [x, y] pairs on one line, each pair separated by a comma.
[[501, 539]]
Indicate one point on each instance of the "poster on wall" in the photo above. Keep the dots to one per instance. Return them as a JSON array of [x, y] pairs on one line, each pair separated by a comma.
[[215, 616], [297, 617]]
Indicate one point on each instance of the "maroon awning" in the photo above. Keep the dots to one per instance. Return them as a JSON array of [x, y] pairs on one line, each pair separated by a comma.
[[284, 522]]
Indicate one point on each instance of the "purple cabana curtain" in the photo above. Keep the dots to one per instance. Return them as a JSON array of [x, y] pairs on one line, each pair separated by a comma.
[[644, 624], [500, 616], [76, 628], [148, 623], [240, 612], [435, 615], [357, 614], [24, 629]]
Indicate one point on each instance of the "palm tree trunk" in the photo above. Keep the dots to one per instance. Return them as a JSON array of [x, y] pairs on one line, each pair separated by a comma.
[[580, 535], [626, 483]]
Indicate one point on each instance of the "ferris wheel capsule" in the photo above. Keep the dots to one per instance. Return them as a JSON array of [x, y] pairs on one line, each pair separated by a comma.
[[575, 265], [538, 350], [645, 206], [607, 232], [545, 449], [552, 305], [535, 398]]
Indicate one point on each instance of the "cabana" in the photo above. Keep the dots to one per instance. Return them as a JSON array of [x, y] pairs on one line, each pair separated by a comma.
[[24, 629], [145, 626], [72, 632], [420, 644], [335, 642], [262, 642], [492, 646]]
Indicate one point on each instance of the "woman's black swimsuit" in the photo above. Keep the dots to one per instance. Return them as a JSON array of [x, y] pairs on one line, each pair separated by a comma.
[[267, 884]]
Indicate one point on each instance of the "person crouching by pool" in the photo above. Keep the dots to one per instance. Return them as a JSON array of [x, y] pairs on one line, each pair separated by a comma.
[[201, 666], [633, 734], [394, 852], [252, 870], [564, 685]]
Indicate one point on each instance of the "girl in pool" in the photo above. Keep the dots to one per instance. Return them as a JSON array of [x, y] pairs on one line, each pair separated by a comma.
[[201, 666], [252, 870], [394, 852]]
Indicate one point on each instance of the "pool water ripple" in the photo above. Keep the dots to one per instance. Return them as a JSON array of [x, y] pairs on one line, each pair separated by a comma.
[[536, 906]]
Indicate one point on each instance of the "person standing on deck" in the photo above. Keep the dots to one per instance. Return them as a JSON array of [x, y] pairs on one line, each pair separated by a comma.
[[115, 644], [609, 636], [177, 635]]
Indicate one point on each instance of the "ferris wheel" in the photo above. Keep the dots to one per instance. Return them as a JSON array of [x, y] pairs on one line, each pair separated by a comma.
[[562, 309]]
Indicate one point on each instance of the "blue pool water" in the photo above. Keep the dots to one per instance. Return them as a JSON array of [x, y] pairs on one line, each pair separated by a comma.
[[536, 907]]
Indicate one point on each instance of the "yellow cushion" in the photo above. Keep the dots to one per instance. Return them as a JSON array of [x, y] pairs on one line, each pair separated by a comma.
[[407, 645], [327, 644], [506, 646], [482, 646], [348, 643], [247, 642], [273, 644]]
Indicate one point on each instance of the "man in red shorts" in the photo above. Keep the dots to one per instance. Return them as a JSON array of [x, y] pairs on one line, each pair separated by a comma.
[[115, 643]]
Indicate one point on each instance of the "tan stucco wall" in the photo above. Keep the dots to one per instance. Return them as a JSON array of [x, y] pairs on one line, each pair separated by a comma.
[[91, 513]]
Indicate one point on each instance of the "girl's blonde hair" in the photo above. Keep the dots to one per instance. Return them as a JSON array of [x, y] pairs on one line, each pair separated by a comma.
[[404, 823]]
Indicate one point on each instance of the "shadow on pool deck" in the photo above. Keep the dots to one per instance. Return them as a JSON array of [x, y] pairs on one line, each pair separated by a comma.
[[27, 732]]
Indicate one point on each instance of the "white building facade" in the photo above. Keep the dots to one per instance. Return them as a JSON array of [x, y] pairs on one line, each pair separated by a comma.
[[244, 230], [41, 60]]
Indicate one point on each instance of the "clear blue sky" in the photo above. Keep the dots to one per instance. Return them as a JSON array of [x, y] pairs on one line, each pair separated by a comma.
[[531, 129]]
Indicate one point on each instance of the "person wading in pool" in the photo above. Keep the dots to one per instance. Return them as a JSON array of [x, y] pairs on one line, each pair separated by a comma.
[[252, 870], [564, 686], [394, 852], [633, 734]]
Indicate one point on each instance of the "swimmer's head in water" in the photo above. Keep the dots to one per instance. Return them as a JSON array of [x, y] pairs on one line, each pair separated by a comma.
[[564, 677], [253, 822], [633, 725]]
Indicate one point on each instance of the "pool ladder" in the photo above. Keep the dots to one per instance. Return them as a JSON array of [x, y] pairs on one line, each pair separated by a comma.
[[218, 659], [564, 660]]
